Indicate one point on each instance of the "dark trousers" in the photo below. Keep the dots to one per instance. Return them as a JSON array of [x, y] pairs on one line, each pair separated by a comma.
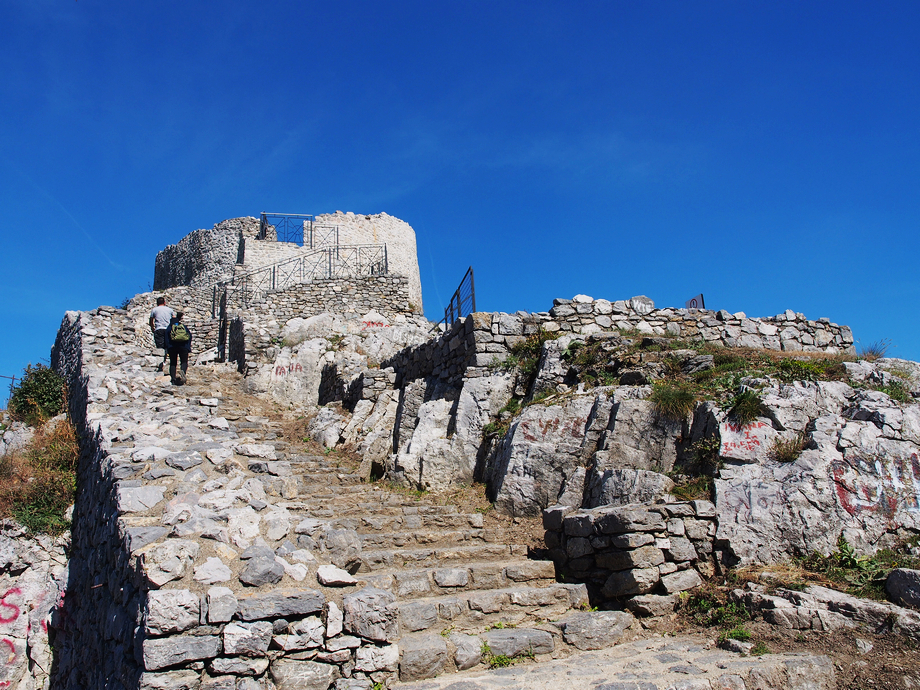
[[182, 356]]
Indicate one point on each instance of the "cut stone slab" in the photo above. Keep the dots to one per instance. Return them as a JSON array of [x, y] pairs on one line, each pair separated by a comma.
[[652, 605], [330, 576], [171, 680], [222, 604], [681, 581], [290, 674], [369, 659], [280, 603], [239, 666], [163, 652], [518, 641], [249, 639]]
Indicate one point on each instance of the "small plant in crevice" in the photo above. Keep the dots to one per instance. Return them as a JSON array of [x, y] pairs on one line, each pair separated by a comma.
[[896, 390], [760, 648], [788, 449], [739, 632], [746, 406], [874, 351], [673, 399]]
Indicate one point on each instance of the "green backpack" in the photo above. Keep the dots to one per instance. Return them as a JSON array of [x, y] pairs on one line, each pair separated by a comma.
[[178, 333]]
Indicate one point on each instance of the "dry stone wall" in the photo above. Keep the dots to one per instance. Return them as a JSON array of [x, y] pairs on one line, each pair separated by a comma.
[[203, 257], [633, 550]]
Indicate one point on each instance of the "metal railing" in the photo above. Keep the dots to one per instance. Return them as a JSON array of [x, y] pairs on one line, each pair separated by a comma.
[[462, 302], [322, 263], [297, 228]]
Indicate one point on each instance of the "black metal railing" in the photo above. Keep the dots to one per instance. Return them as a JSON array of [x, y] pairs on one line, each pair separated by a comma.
[[462, 302], [322, 263], [285, 227]]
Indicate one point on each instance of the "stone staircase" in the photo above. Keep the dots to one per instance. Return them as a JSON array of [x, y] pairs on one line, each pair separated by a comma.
[[261, 565]]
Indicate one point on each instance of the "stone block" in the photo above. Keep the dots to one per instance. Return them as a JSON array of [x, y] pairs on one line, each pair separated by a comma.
[[222, 604], [280, 603], [517, 641], [171, 611], [421, 656], [370, 659], [372, 614], [249, 639], [681, 581], [291, 674], [903, 586], [595, 629], [627, 582], [417, 615], [468, 650], [652, 605], [163, 652], [643, 557]]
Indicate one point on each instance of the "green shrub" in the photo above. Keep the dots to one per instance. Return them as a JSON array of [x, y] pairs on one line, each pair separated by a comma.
[[673, 399], [39, 395], [746, 406], [760, 648]]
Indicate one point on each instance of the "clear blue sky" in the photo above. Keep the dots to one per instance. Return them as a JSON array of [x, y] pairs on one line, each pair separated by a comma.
[[766, 154]]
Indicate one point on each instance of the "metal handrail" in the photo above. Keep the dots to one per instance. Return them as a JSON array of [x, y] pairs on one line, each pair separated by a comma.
[[333, 261]]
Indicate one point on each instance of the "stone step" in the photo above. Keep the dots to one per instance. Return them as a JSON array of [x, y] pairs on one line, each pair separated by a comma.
[[477, 610], [438, 581], [374, 524], [428, 537], [345, 508], [386, 559], [685, 661]]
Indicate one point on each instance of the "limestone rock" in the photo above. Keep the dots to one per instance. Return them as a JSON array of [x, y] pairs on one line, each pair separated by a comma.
[[518, 641], [170, 611], [421, 656], [370, 658], [595, 629], [290, 674], [372, 614]]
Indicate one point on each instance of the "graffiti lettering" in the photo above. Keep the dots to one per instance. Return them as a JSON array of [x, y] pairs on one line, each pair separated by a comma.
[[374, 324], [738, 428], [282, 370], [9, 618], [880, 485]]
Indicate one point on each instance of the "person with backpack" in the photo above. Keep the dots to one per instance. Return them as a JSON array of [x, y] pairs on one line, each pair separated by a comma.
[[160, 318], [178, 345]]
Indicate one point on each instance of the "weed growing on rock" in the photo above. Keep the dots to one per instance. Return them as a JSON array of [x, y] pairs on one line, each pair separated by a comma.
[[874, 351], [692, 488], [760, 648], [896, 390], [673, 399], [859, 575], [528, 350], [710, 607], [39, 396], [789, 449], [746, 407], [739, 632]]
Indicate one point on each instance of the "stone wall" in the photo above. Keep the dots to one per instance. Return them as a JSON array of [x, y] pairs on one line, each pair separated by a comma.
[[95, 637], [788, 331], [638, 549], [380, 228], [203, 257], [474, 343]]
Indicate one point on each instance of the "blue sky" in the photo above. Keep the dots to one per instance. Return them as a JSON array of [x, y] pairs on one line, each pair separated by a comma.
[[766, 154]]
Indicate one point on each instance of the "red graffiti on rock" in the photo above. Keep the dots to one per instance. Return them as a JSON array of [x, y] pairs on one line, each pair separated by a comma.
[[6, 607], [282, 370]]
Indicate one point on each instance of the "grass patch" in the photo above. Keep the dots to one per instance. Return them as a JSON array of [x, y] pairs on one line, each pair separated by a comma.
[[38, 483], [688, 488], [710, 608], [760, 648], [896, 390], [739, 632], [858, 575], [746, 407], [527, 352], [673, 399], [874, 351], [788, 449]]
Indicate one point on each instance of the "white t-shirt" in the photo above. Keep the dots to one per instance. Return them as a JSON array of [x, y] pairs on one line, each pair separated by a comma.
[[161, 316]]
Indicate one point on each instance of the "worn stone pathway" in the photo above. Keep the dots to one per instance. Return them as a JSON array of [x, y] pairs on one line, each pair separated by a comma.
[[686, 662]]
